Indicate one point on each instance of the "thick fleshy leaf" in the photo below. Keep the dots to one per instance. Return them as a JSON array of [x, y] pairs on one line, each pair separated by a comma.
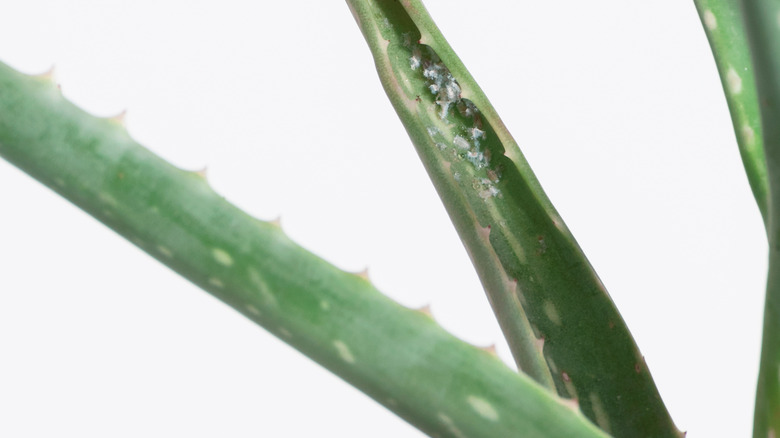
[[762, 25], [560, 323], [398, 356], [722, 21]]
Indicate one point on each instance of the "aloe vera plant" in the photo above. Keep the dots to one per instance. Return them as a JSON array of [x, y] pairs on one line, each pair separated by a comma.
[[653, 295]]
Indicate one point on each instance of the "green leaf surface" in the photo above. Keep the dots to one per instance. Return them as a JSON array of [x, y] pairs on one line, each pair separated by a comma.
[[398, 356], [560, 323], [762, 23], [723, 24]]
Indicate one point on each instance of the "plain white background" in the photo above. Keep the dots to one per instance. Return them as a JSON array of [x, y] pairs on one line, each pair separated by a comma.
[[616, 104]]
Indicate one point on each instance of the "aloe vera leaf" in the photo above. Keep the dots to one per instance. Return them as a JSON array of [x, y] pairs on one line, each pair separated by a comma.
[[525, 347], [398, 356], [762, 24], [723, 24], [766, 420], [544, 292]]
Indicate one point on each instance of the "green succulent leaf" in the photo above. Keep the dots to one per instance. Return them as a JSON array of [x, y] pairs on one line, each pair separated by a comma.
[[398, 356], [762, 25], [723, 24], [561, 325]]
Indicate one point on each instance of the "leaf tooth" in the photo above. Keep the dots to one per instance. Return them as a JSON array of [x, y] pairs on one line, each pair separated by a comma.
[[640, 365], [199, 174], [567, 382], [48, 75], [277, 221], [571, 403], [539, 344], [484, 232], [510, 283], [364, 274], [202, 172], [120, 119], [490, 349], [425, 310]]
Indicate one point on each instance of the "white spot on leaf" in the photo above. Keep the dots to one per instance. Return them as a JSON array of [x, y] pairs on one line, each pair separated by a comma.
[[733, 81], [748, 135], [107, 199], [602, 419], [552, 312], [266, 296], [709, 20], [222, 257], [344, 352], [450, 425], [483, 407], [165, 251]]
